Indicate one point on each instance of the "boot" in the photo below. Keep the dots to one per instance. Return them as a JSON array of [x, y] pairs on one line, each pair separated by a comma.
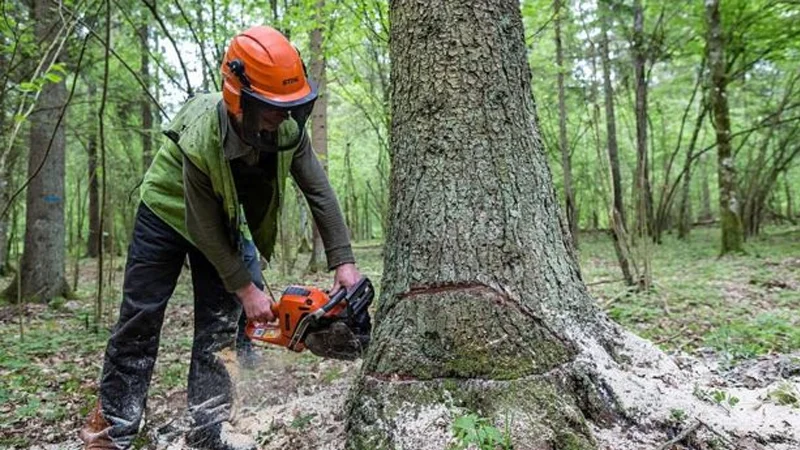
[[219, 437], [95, 432]]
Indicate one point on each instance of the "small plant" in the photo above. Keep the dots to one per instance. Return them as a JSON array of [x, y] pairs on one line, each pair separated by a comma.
[[716, 396], [301, 420], [678, 415], [331, 375], [722, 397], [786, 394], [472, 430]]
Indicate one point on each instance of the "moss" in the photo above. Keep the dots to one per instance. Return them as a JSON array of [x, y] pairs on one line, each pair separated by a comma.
[[570, 441], [732, 233], [465, 334], [539, 406], [359, 442]]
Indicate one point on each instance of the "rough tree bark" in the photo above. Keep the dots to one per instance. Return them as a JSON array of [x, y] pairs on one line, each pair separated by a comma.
[[729, 204], [617, 216], [566, 163], [482, 305], [319, 125], [42, 267]]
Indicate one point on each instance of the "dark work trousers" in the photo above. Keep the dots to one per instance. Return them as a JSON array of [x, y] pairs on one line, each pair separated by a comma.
[[155, 258]]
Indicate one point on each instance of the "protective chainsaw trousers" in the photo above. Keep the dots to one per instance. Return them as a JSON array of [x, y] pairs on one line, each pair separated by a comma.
[[155, 258]]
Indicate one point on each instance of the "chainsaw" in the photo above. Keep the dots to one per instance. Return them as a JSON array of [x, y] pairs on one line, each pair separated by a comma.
[[335, 326]]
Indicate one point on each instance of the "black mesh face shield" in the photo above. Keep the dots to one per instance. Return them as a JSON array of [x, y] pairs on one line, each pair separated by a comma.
[[269, 125], [263, 119]]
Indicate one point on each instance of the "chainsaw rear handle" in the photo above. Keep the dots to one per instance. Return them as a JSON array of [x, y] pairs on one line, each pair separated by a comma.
[[337, 298], [275, 310]]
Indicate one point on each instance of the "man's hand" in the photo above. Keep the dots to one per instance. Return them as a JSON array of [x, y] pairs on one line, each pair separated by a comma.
[[346, 275], [257, 305]]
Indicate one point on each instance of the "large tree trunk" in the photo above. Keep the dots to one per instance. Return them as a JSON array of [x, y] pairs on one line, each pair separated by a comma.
[[617, 216], [482, 305], [569, 194], [319, 125], [42, 268], [729, 204]]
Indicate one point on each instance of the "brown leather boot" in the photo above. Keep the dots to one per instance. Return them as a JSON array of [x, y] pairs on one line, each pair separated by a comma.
[[95, 432]]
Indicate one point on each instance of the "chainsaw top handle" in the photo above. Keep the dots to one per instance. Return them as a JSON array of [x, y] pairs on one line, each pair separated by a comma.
[[336, 298]]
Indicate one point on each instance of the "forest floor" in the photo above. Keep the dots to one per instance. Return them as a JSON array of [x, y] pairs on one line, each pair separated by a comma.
[[735, 313]]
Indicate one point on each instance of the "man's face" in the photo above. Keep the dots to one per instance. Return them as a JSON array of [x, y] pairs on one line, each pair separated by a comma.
[[272, 118]]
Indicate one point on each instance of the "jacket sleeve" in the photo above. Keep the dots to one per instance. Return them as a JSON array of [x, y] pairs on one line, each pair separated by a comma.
[[206, 225], [312, 180]]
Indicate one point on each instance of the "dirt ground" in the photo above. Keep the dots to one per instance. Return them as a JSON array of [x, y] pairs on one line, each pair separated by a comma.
[[737, 317]]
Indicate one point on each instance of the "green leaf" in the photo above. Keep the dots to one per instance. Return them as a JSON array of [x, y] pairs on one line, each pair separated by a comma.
[[58, 67], [53, 78], [27, 86]]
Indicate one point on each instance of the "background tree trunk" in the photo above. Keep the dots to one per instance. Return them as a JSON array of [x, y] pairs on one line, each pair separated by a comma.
[[481, 299], [146, 107], [644, 204], [6, 185], [789, 206], [705, 191], [42, 266], [685, 207], [644, 196], [92, 243], [566, 163], [617, 217], [729, 204], [319, 125]]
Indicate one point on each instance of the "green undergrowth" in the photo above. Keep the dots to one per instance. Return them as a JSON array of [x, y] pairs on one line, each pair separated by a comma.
[[473, 431], [738, 307], [50, 374]]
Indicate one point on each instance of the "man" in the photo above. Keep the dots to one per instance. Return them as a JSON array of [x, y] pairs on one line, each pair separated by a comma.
[[214, 192]]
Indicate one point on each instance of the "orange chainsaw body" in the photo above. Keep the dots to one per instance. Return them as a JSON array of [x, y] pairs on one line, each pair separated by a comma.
[[295, 303]]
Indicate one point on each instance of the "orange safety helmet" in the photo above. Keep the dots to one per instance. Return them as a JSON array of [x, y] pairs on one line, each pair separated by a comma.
[[263, 71]]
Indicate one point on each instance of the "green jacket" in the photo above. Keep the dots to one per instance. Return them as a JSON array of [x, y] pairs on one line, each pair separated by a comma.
[[195, 137]]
